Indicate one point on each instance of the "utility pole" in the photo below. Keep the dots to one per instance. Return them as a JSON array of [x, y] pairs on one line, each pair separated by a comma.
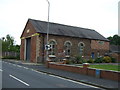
[[47, 57]]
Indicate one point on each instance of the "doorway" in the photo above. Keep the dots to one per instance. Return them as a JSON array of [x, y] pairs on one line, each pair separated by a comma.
[[28, 49], [92, 55]]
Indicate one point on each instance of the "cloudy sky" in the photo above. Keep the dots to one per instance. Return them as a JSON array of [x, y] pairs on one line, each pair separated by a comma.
[[100, 15]]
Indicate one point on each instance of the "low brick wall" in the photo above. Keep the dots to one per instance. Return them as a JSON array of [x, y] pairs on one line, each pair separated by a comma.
[[91, 72], [111, 75]]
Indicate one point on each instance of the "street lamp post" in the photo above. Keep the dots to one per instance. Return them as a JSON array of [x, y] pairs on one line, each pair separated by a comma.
[[47, 57]]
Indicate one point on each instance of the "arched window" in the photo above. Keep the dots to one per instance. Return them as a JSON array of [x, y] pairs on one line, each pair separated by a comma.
[[68, 45], [53, 49], [81, 46]]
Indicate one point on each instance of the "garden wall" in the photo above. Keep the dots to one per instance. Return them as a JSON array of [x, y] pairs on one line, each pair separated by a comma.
[[111, 75]]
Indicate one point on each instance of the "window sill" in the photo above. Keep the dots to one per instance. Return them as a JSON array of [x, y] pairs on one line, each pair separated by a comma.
[[67, 56], [52, 56]]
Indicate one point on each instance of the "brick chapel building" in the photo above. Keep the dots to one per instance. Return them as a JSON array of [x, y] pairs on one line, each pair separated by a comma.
[[65, 39]]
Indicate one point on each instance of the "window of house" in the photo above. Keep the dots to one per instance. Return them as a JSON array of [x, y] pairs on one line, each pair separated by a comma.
[[98, 54], [101, 42], [67, 48], [53, 49], [81, 47]]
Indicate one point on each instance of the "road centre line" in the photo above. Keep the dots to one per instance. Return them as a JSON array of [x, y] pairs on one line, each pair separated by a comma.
[[19, 80]]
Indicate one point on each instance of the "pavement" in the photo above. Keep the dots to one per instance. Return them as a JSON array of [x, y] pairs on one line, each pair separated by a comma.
[[99, 82]]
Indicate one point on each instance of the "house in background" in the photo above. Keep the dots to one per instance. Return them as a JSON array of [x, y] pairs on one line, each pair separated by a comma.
[[65, 39], [115, 52]]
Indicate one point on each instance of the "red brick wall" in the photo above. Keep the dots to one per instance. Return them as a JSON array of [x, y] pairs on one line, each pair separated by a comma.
[[26, 34], [75, 41], [68, 68], [91, 72], [90, 45], [33, 49], [95, 45], [22, 49], [30, 27], [111, 75]]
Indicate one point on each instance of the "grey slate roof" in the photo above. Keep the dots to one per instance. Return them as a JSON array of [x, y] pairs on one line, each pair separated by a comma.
[[65, 30]]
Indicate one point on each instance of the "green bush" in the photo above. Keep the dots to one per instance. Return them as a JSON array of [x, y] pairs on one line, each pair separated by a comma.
[[107, 59], [78, 58], [90, 60], [113, 60], [99, 60], [67, 61]]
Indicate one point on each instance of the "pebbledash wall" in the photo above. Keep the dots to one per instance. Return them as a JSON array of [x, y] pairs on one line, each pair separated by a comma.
[[38, 41]]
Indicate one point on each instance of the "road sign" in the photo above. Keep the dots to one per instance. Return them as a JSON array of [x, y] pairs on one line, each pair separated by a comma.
[[48, 47]]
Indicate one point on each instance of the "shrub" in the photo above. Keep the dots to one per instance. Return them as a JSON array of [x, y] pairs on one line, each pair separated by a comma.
[[79, 59], [99, 60], [113, 60], [107, 59], [90, 60], [72, 60], [67, 62]]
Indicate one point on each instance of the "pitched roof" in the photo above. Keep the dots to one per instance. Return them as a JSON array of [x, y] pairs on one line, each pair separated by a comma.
[[65, 30]]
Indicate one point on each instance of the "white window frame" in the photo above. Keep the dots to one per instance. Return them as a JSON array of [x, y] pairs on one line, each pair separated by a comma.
[[52, 49], [68, 48], [81, 49]]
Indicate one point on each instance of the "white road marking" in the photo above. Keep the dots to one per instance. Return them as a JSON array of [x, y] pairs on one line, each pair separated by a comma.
[[14, 64], [19, 66], [1, 70], [25, 68], [49, 75], [19, 80], [74, 81], [38, 72]]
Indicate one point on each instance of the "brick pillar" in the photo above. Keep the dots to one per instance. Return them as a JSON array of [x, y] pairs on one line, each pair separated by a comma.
[[47, 63], [85, 67]]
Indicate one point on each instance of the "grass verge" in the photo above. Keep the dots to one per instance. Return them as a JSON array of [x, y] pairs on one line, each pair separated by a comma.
[[107, 67]]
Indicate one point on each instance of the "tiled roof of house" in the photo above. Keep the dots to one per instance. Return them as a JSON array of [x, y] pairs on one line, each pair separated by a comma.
[[65, 30]]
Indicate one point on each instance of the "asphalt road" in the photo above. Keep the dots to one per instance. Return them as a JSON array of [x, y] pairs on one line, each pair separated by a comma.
[[16, 76]]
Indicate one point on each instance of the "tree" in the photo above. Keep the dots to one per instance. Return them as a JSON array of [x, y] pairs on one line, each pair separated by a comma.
[[8, 44], [115, 40]]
